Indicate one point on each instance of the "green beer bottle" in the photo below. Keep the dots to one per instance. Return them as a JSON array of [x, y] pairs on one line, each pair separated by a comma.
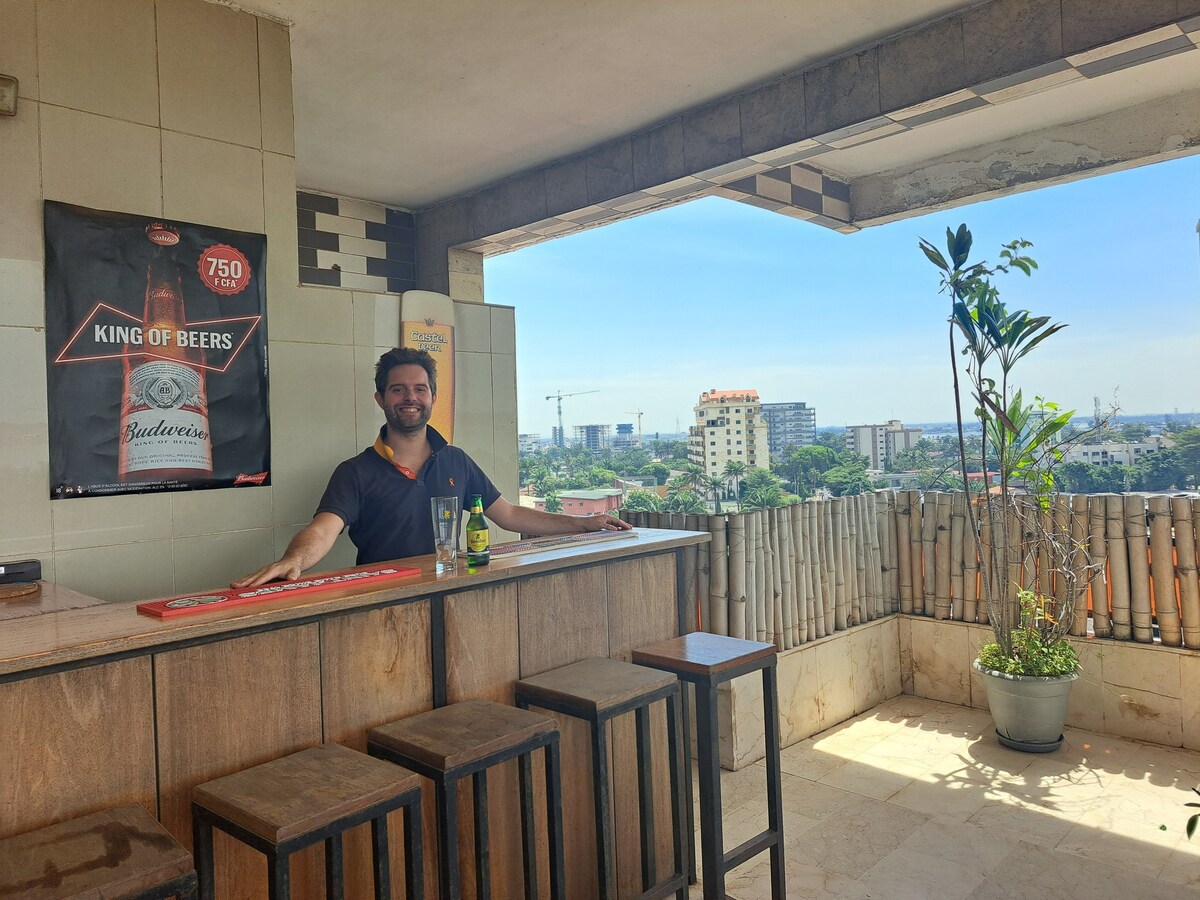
[[479, 551]]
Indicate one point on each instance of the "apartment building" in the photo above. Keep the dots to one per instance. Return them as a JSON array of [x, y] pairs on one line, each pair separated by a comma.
[[594, 437], [729, 427], [880, 443], [1114, 453], [789, 424]]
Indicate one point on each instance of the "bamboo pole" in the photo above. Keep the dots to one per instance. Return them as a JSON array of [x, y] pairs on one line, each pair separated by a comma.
[[885, 509], [816, 567], [1045, 568], [914, 549], [781, 541], [837, 521], [1138, 549], [799, 575], [1057, 521], [929, 524], [904, 579], [1098, 560], [969, 553], [1162, 572], [1081, 575], [853, 550], [986, 560], [737, 576], [718, 578], [829, 565], [941, 556], [1118, 566], [958, 528], [753, 599], [762, 578], [703, 573], [876, 518], [1186, 516]]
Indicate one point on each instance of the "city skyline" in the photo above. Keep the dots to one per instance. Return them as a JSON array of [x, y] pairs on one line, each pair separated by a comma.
[[718, 294]]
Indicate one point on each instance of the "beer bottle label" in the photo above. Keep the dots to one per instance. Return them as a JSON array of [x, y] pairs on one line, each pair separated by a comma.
[[165, 425], [477, 540]]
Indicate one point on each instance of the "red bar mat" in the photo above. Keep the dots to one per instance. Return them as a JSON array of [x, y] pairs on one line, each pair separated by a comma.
[[275, 590]]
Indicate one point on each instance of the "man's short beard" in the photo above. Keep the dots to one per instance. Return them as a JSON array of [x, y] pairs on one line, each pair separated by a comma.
[[395, 425]]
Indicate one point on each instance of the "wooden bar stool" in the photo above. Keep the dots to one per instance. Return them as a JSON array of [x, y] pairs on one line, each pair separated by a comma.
[[597, 691], [288, 804], [117, 853], [467, 738], [707, 660]]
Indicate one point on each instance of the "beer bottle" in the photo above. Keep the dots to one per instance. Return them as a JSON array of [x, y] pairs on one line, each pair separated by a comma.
[[479, 551], [164, 411]]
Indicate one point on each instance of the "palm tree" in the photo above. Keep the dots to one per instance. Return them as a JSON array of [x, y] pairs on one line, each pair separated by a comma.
[[688, 502], [716, 486], [766, 496], [693, 475], [735, 470]]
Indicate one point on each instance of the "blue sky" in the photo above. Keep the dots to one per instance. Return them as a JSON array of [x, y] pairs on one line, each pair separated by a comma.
[[651, 311]]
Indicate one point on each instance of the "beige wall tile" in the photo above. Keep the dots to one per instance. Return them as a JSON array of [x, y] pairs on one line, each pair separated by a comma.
[[465, 262], [275, 87], [22, 293], [363, 209], [312, 423], [279, 199], [834, 679], [21, 211], [212, 183], [472, 328], [368, 417], [743, 737], [504, 421], [1142, 666], [473, 407], [18, 45], [24, 462], [1189, 674], [99, 56], [209, 561], [466, 288], [940, 663], [105, 521], [311, 315], [1086, 709], [208, 71], [504, 329], [976, 638], [904, 627], [890, 630], [228, 509], [1142, 694], [376, 320], [99, 162], [866, 661], [800, 706], [137, 571]]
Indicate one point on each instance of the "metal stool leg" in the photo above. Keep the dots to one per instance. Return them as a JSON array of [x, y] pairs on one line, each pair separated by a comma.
[[711, 833], [600, 790], [528, 837], [381, 863], [676, 738], [202, 853], [483, 876], [554, 825], [645, 795], [774, 786], [686, 738], [334, 882], [279, 876], [447, 802]]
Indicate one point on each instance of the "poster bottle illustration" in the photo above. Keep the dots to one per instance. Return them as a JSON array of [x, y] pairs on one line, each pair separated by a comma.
[[164, 432]]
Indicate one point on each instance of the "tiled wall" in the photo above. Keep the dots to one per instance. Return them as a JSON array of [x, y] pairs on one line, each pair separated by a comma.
[[355, 244], [115, 112]]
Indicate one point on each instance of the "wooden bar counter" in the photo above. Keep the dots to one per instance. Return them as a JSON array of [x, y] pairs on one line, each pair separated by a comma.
[[100, 705]]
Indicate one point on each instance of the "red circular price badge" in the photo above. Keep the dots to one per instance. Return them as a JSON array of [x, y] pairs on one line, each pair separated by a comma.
[[224, 269]]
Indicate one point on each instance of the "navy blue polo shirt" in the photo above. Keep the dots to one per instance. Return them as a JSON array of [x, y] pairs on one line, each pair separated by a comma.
[[387, 512]]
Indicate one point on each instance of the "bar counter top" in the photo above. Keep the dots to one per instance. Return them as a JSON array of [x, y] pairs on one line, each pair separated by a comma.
[[67, 637]]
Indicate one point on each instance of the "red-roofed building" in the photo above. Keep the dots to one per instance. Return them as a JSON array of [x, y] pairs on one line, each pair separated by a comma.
[[730, 427]]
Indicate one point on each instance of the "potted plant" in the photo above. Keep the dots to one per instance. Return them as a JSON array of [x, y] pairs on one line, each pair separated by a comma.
[[1022, 532]]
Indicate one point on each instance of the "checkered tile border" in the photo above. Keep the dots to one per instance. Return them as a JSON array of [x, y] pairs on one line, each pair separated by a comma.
[[354, 244], [782, 182]]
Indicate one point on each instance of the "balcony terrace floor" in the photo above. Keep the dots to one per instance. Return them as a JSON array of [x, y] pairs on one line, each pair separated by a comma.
[[917, 799]]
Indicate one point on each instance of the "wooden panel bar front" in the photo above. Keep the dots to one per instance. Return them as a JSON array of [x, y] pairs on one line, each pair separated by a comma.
[[109, 706]]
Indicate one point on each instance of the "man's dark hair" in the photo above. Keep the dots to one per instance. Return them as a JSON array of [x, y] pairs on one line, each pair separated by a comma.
[[405, 356]]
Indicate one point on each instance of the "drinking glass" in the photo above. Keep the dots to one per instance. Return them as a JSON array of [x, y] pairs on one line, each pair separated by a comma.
[[445, 532]]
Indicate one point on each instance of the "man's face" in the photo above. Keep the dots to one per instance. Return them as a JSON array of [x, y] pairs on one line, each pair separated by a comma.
[[407, 401]]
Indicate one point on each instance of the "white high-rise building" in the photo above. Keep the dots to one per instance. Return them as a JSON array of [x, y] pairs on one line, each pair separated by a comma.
[[729, 427], [790, 424], [879, 443]]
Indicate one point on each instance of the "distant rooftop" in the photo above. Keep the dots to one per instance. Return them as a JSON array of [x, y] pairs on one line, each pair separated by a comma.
[[736, 396]]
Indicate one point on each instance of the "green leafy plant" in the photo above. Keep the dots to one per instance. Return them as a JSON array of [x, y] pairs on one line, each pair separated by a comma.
[[1193, 820], [1021, 532]]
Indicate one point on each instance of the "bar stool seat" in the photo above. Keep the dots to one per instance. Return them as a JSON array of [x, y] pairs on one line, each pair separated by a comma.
[[706, 661], [467, 738], [122, 852], [598, 690], [287, 804]]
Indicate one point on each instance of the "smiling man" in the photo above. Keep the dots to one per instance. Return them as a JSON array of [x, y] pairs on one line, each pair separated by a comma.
[[382, 495]]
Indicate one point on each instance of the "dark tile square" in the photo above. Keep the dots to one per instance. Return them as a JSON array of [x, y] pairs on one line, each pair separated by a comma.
[[401, 218], [403, 252], [803, 198], [327, 277], [306, 218], [389, 269], [307, 257], [377, 231], [316, 202], [320, 240], [838, 190], [400, 285]]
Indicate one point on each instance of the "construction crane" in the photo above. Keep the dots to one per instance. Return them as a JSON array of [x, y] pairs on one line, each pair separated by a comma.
[[638, 413], [559, 397]]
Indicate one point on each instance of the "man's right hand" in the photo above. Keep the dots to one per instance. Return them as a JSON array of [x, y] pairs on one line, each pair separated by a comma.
[[282, 569]]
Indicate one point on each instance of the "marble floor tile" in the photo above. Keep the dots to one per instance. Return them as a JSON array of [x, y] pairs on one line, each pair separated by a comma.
[[806, 761], [910, 874], [857, 837], [866, 779], [803, 880]]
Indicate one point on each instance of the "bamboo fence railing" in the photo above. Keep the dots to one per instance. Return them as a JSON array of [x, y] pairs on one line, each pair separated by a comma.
[[791, 575]]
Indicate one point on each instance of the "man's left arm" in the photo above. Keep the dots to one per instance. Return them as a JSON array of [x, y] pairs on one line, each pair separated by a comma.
[[524, 520]]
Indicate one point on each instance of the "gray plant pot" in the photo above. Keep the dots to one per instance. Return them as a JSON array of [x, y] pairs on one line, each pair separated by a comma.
[[1028, 710]]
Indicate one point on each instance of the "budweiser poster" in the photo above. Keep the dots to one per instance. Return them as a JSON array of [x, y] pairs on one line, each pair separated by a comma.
[[156, 354]]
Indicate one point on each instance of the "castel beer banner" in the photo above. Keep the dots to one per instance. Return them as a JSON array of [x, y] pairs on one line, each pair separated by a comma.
[[156, 354]]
